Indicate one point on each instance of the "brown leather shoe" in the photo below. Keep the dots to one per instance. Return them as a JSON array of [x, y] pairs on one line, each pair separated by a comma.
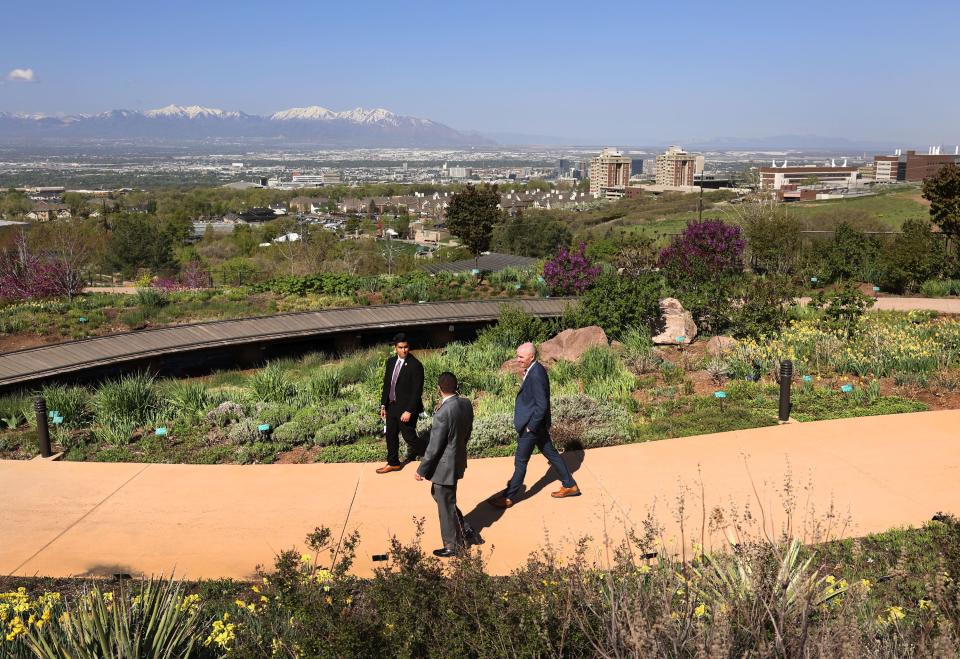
[[386, 469], [500, 502], [564, 492]]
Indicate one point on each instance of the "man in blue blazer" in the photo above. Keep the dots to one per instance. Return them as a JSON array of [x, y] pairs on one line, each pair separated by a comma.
[[531, 418]]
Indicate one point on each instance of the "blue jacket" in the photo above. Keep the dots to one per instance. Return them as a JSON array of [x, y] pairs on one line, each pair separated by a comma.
[[532, 409]]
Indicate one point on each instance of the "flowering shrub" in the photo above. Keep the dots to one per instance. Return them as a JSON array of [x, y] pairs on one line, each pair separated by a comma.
[[570, 273], [193, 276], [28, 275], [703, 251]]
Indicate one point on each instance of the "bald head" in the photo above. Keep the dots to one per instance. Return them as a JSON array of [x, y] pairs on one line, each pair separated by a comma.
[[526, 354]]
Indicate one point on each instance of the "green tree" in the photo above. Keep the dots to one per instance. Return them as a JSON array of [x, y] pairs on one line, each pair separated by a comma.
[[14, 204], [773, 238], [913, 257], [534, 233], [943, 193], [138, 241], [472, 214], [77, 203]]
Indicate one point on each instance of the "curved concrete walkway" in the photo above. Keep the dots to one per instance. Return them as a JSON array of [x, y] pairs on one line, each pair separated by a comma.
[[68, 519]]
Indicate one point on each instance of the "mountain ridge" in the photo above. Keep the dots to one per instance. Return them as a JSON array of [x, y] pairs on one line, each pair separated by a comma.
[[310, 124]]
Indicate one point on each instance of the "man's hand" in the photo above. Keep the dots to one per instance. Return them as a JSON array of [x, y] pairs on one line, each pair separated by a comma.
[[383, 412], [417, 476], [405, 417]]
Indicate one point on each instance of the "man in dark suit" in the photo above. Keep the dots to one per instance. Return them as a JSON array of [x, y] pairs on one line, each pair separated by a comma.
[[531, 418], [445, 462], [401, 402]]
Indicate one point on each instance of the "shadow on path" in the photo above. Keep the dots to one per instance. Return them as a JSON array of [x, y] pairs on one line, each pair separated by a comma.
[[484, 515]]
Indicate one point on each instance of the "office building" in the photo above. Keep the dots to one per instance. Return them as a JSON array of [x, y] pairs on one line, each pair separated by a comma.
[[774, 178], [913, 166], [676, 167], [636, 167], [609, 173]]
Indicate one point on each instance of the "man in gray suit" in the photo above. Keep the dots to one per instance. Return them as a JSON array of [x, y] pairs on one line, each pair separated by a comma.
[[445, 461]]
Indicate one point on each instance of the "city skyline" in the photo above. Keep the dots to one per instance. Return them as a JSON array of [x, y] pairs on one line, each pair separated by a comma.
[[687, 74]]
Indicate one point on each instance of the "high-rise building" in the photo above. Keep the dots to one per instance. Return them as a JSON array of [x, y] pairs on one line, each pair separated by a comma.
[[636, 167], [676, 167], [609, 172]]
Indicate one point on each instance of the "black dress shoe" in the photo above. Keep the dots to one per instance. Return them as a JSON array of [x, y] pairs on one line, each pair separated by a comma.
[[445, 552]]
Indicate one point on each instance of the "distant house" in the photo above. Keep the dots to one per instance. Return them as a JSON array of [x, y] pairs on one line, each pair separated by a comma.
[[304, 204], [278, 209], [44, 211]]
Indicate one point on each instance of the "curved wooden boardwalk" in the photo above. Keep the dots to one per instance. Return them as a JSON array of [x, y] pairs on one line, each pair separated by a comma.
[[24, 366]]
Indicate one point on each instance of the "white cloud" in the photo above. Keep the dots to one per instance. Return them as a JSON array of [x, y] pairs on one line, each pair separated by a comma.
[[22, 75]]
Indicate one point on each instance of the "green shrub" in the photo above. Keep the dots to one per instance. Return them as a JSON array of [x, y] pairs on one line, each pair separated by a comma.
[[73, 403], [151, 298], [936, 287], [598, 362], [763, 306], [293, 433], [272, 385], [323, 386], [225, 413], [617, 304], [187, 399], [490, 431], [274, 414], [580, 421], [514, 326], [244, 431], [132, 399], [13, 410]]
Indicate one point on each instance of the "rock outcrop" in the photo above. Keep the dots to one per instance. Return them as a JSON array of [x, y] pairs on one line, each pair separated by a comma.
[[569, 345], [677, 321]]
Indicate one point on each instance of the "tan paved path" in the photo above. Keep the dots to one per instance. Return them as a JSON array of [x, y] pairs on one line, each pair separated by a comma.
[[62, 519]]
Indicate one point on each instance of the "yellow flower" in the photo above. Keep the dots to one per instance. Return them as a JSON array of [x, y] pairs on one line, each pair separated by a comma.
[[700, 611], [924, 604], [865, 584], [896, 613]]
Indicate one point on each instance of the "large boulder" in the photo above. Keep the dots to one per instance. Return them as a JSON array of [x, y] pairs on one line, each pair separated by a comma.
[[677, 321], [569, 345], [718, 346], [511, 366]]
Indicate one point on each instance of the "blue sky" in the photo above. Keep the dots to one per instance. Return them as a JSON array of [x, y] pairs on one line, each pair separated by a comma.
[[636, 72]]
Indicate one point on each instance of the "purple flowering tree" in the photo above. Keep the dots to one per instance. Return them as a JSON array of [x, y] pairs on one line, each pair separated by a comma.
[[570, 273], [705, 250]]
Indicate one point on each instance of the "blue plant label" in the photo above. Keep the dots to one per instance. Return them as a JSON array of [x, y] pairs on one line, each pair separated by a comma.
[[847, 388], [876, 289], [264, 427], [474, 271], [82, 319], [720, 394], [681, 339], [58, 419], [161, 431], [813, 279], [53, 413], [808, 378]]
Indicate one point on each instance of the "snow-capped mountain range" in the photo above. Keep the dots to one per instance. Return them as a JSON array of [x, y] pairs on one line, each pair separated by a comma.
[[177, 123]]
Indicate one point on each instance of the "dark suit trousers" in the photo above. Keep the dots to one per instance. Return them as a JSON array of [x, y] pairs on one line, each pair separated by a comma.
[[397, 428], [451, 519], [525, 445]]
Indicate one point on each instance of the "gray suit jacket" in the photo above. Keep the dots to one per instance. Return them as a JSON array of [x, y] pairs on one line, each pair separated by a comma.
[[446, 457]]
